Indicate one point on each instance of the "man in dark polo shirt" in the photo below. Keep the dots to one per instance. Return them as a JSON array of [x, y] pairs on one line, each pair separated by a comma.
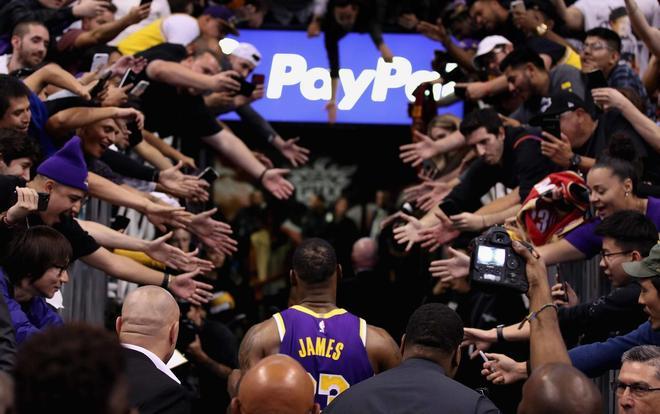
[[64, 177], [423, 382]]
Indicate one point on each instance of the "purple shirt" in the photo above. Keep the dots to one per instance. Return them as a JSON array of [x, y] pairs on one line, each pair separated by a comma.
[[331, 347], [584, 238]]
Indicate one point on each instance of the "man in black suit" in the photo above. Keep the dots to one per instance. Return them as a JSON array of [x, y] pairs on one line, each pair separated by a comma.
[[148, 328], [422, 383]]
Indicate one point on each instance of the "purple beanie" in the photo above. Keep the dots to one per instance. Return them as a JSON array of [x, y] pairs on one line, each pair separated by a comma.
[[67, 166]]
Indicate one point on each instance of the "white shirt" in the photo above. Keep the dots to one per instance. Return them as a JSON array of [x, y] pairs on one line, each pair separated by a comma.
[[597, 12], [156, 361], [4, 64], [159, 9]]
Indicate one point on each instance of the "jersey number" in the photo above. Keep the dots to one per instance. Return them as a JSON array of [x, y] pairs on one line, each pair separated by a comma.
[[328, 383]]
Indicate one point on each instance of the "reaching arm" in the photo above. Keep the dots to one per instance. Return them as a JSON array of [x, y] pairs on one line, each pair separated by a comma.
[[183, 286], [233, 148], [159, 215], [176, 74], [546, 343], [649, 35], [108, 31], [572, 16], [72, 118], [612, 98], [559, 252], [166, 149], [152, 155], [53, 74]]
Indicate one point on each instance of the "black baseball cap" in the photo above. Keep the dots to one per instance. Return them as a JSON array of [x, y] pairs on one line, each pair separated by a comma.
[[559, 103]]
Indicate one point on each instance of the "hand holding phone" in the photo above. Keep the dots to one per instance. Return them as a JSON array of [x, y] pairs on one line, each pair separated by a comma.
[[209, 175], [99, 61]]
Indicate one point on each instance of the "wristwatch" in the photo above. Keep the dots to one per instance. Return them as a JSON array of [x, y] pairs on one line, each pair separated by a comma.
[[541, 29], [500, 333], [575, 161]]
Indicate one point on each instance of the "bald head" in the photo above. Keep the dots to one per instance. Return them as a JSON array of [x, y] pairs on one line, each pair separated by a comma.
[[149, 318], [365, 254], [559, 389], [275, 385]]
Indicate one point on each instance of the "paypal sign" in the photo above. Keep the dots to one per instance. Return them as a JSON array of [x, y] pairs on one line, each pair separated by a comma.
[[371, 91]]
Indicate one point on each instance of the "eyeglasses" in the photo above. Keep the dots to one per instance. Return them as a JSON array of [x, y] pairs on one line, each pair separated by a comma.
[[636, 390], [606, 255], [594, 47]]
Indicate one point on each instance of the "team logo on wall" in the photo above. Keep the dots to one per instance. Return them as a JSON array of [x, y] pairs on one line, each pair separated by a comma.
[[322, 177]]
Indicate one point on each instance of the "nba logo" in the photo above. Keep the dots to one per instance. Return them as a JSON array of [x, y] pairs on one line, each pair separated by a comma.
[[322, 327]]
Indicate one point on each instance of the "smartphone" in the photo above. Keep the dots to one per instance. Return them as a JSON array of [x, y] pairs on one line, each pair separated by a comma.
[[551, 125], [42, 203], [209, 175], [246, 87], [139, 89], [518, 6], [450, 208], [564, 287], [100, 85], [120, 223], [129, 77], [483, 356], [143, 2], [99, 61], [596, 79], [258, 79]]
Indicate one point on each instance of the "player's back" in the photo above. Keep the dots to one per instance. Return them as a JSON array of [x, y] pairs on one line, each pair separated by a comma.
[[330, 346]]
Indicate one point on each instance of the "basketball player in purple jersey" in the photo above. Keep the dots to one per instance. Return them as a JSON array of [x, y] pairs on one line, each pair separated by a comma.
[[336, 348]]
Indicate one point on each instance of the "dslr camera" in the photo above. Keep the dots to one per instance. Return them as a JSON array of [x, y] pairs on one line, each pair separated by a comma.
[[495, 263]]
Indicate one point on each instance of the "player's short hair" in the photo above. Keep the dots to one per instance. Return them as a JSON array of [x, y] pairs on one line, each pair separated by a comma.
[[610, 37], [434, 326], [315, 260], [645, 354], [10, 88], [520, 57], [631, 230], [487, 118], [15, 145], [23, 28]]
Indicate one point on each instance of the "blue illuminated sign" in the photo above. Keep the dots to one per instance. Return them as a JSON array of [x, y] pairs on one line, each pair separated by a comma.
[[371, 91]]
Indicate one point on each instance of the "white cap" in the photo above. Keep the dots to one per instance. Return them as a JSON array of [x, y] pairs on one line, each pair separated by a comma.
[[487, 45], [248, 52]]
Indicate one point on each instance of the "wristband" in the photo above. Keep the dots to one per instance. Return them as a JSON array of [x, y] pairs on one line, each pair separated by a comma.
[[166, 280], [500, 333], [533, 315], [528, 368], [261, 176]]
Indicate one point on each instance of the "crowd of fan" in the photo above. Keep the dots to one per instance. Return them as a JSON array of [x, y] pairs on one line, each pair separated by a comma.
[[114, 101]]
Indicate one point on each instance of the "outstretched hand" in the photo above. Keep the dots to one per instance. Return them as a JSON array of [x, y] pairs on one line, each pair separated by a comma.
[[416, 152], [215, 234], [187, 288], [273, 180], [455, 267], [503, 370]]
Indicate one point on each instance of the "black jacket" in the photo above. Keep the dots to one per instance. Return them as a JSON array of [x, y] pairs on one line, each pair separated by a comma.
[[416, 386], [522, 165], [7, 341], [150, 390]]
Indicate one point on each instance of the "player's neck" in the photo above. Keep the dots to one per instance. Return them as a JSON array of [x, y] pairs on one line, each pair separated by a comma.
[[320, 302]]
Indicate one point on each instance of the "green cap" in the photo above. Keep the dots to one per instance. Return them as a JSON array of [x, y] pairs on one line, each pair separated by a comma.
[[648, 267]]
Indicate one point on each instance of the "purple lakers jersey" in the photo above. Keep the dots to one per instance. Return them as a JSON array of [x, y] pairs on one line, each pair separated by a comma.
[[331, 347]]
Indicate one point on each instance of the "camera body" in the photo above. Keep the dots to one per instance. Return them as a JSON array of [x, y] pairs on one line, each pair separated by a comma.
[[494, 262]]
